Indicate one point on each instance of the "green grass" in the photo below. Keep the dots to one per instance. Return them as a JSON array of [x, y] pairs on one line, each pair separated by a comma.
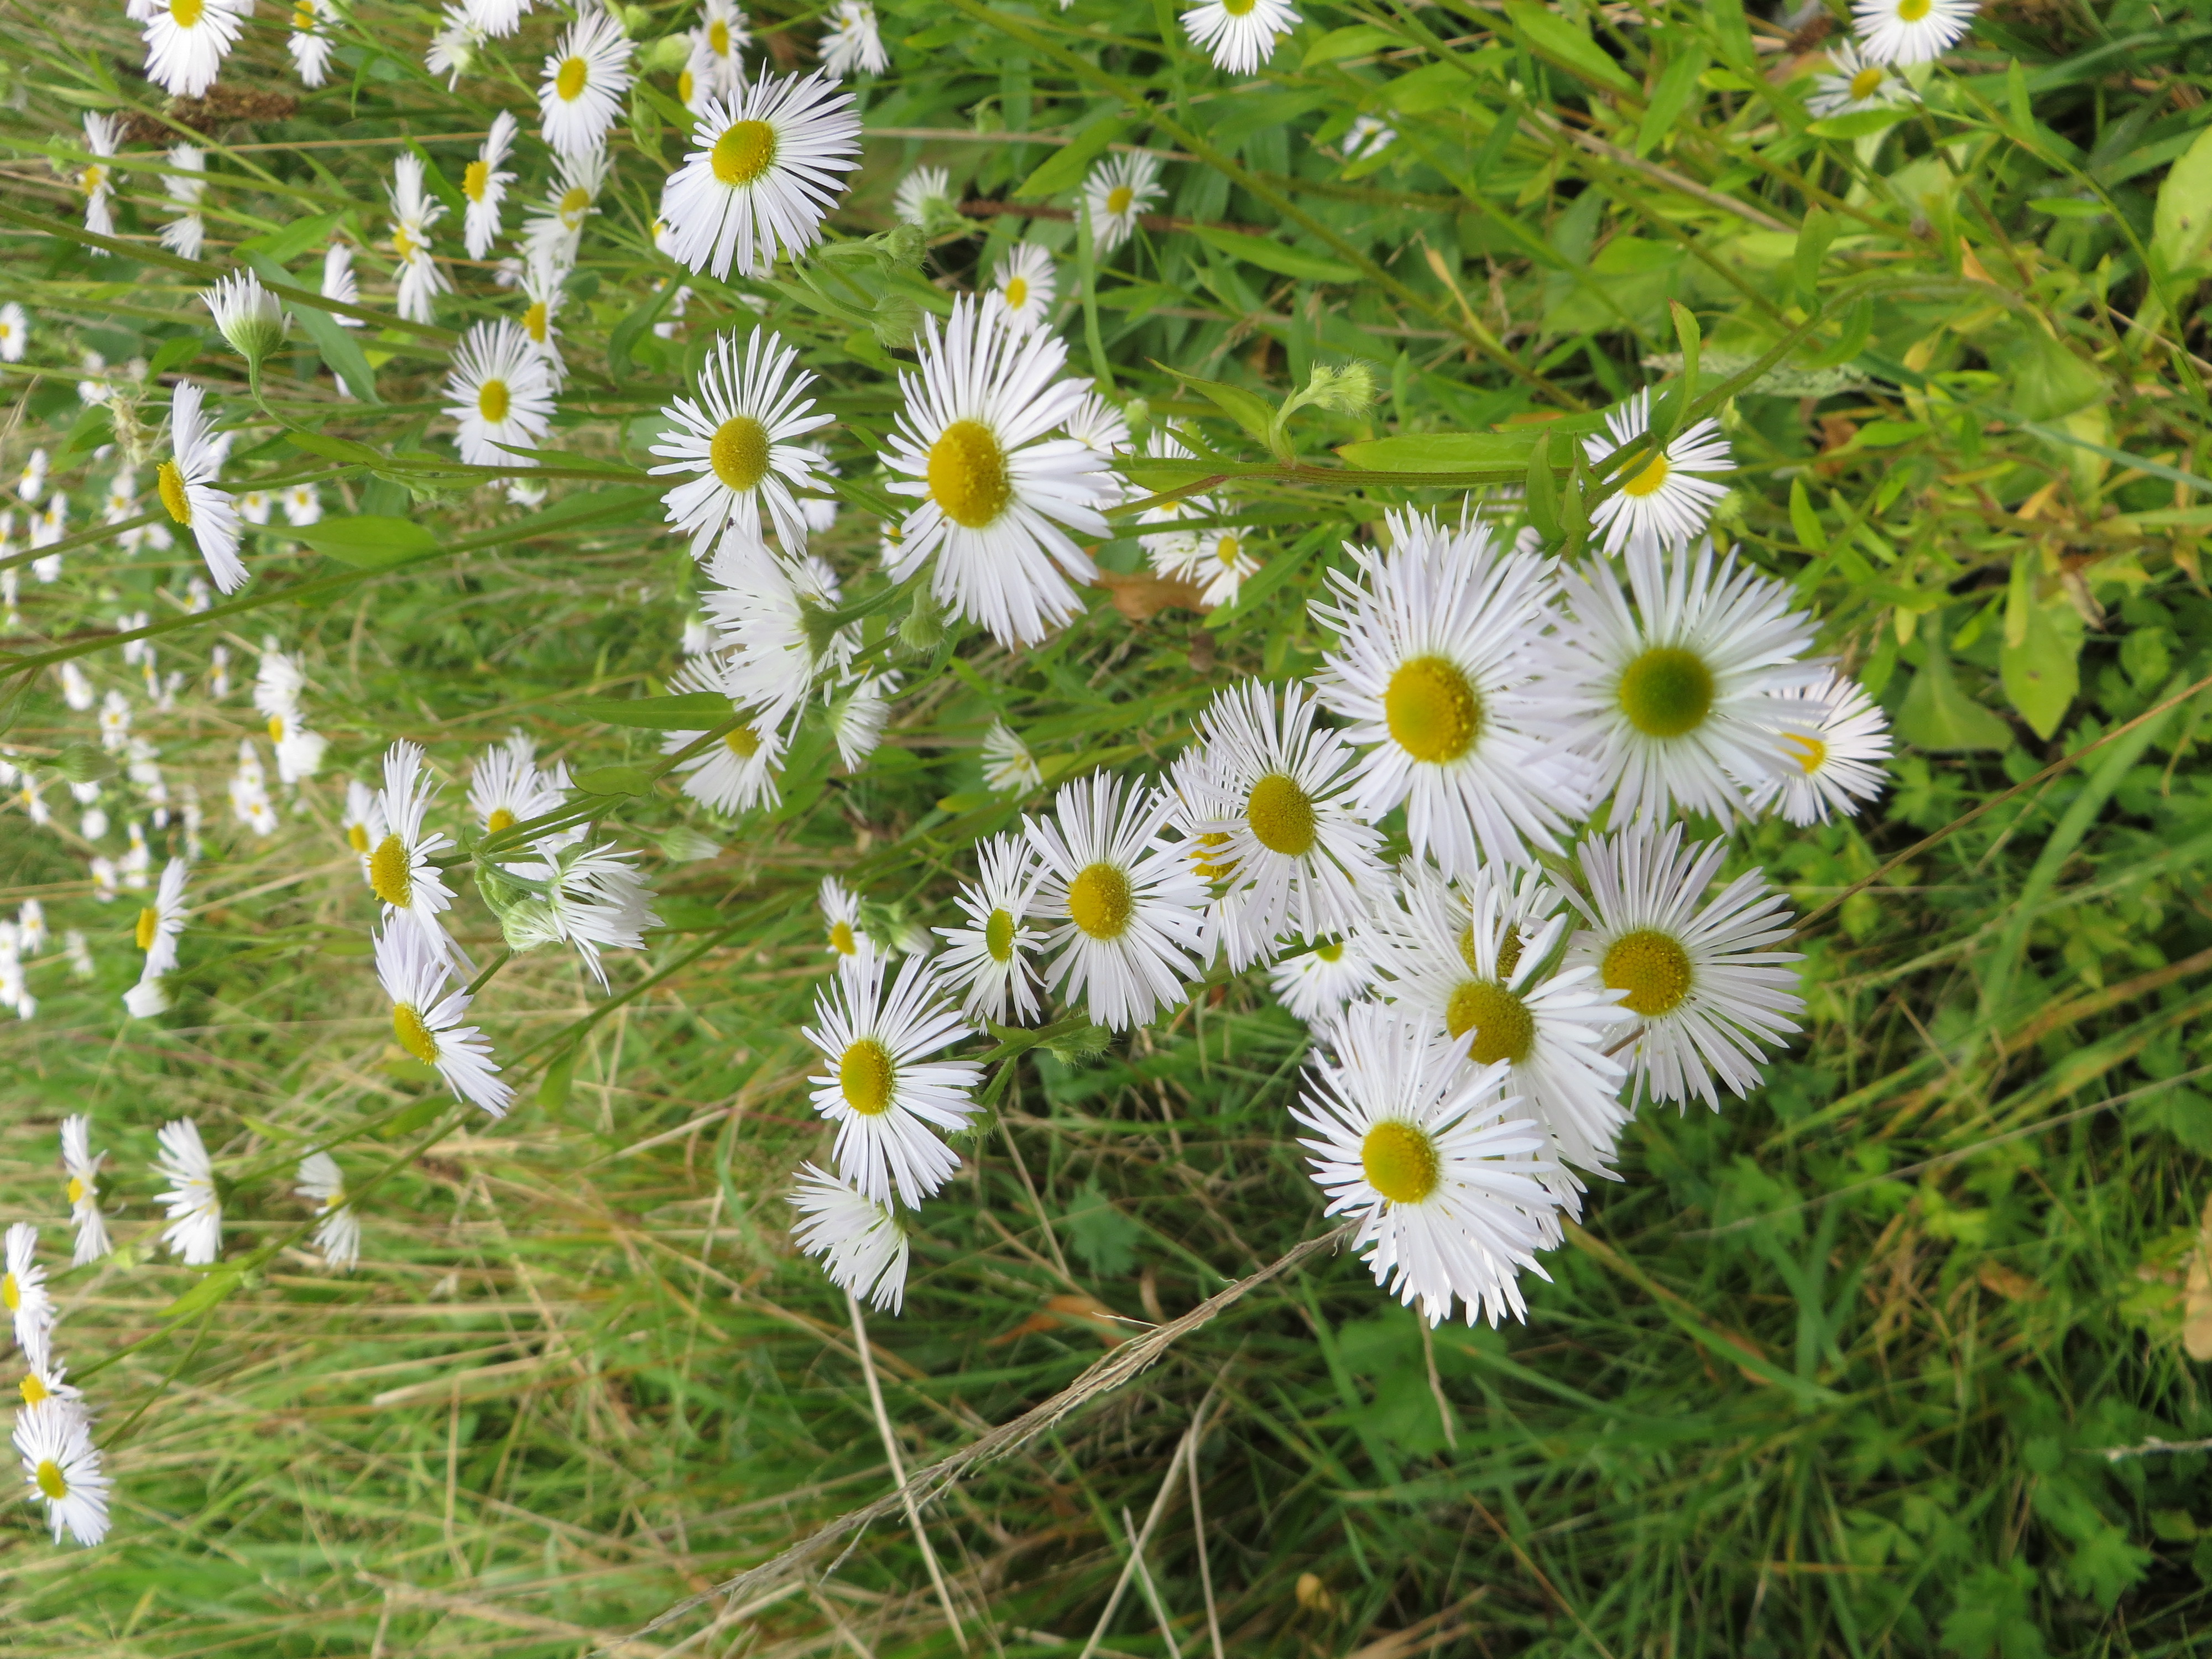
[[1833, 1371]]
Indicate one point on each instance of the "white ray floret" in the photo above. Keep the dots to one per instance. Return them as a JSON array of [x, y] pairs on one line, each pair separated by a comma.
[[340, 283], [82, 1165], [738, 445], [61, 1468], [498, 18], [1023, 287], [310, 42], [716, 45], [427, 1015], [1857, 83], [195, 1230], [1442, 1170], [161, 921], [186, 41], [853, 41], [363, 822], [840, 919], [400, 868], [1115, 196], [989, 957], [586, 82], [185, 184], [185, 483], [502, 395], [736, 772], [414, 211], [1661, 503], [1239, 34], [924, 197], [1316, 982], [484, 186], [593, 899], [452, 50], [1701, 991], [863, 1246], [338, 1228], [1911, 31], [23, 1289], [1833, 739], [887, 1099], [770, 162], [506, 787], [553, 228], [767, 610]]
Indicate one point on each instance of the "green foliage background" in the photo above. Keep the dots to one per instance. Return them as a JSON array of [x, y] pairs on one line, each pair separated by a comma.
[[1834, 1371]]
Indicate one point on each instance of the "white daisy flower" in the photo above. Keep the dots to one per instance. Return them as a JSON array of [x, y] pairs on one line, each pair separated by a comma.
[[1911, 31], [1009, 769], [426, 1019], [47, 1380], [998, 495], [1126, 907], [497, 18], [400, 870], [1366, 136], [195, 1229], [738, 447], [1437, 645], [770, 164], [766, 609], [716, 43], [885, 1096], [78, 950], [337, 1230], [303, 504], [735, 773], [413, 210], [1267, 798], [61, 1465], [864, 1249], [1674, 700], [840, 919], [185, 483], [1217, 560], [506, 788], [185, 184], [1240, 34], [542, 294], [851, 41], [310, 42], [114, 722], [1444, 1174], [1833, 738], [484, 186], [988, 958], [186, 41], [1023, 288], [1315, 983], [161, 921], [858, 716], [247, 315], [553, 229], [254, 506], [23, 1289], [1700, 990], [923, 196], [31, 926], [501, 394], [452, 50], [586, 83], [340, 283], [1115, 195], [1101, 425], [15, 332], [1659, 504], [82, 1165], [1857, 83], [593, 899], [363, 822]]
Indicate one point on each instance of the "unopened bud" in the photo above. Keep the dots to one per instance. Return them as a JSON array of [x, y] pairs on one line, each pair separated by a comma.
[[897, 319], [81, 762], [668, 53], [247, 315], [922, 630], [1080, 1047], [1348, 390]]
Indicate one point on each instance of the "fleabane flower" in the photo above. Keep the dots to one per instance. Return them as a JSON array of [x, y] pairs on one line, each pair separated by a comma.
[[840, 919], [61, 1467], [185, 483], [852, 41], [863, 1246], [247, 315], [185, 184], [1023, 288], [186, 41], [592, 898], [1116, 194], [738, 445], [1215, 560], [715, 64], [400, 870], [340, 283], [414, 211], [1661, 503], [998, 495], [1316, 982], [988, 957], [506, 787], [587, 79], [82, 1165], [484, 186], [1436, 650], [736, 772], [1673, 699], [452, 50], [887, 1099], [1009, 767], [310, 42], [23, 1289], [363, 822], [1240, 34], [161, 921], [1443, 1170], [1700, 991], [553, 229], [195, 1230], [502, 395], [427, 1015], [338, 1228], [1833, 739], [15, 332], [1124, 904], [923, 197], [1857, 83], [498, 18], [1911, 31], [770, 162], [543, 296]]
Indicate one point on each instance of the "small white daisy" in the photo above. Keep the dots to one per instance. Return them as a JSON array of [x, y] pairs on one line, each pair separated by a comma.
[[998, 495], [185, 483], [15, 332], [1911, 31], [738, 445], [1115, 195], [247, 315], [484, 186], [553, 229], [82, 1165], [31, 926], [886, 1098], [1009, 767], [337, 1229], [61, 1465], [340, 283], [858, 716], [1240, 34], [303, 504], [770, 164], [1023, 288], [988, 958], [427, 1015], [310, 42], [1217, 560], [593, 899], [1366, 136], [1833, 738], [186, 41], [735, 773], [716, 43], [924, 197], [840, 919], [452, 50], [506, 787], [414, 211], [498, 18], [1660, 503], [23, 1289], [1700, 992], [1857, 84], [185, 184], [161, 921], [543, 296], [1674, 700], [586, 82], [195, 1229], [1101, 425], [864, 1249], [1316, 982], [502, 395], [766, 609], [1444, 1174], [851, 41], [400, 870], [1125, 905]]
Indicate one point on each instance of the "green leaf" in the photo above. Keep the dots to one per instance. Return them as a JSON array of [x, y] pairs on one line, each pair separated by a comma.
[[2050, 381], [335, 449], [219, 1283], [1863, 124], [1101, 1235], [1064, 170], [94, 425], [626, 333], [1803, 519], [615, 780], [1359, 41], [1813, 235], [1446, 452], [289, 242], [1248, 409], [1551, 36], [1937, 715], [1732, 34], [340, 351], [440, 186], [1670, 96], [2042, 672], [424, 1111], [368, 542], [691, 711], [1542, 488], [176, 353], [553, 1087], [2067, 207], [1270, 255]]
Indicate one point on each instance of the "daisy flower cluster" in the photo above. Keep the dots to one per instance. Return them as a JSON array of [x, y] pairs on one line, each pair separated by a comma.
[[62, 1465], [1894, 37]]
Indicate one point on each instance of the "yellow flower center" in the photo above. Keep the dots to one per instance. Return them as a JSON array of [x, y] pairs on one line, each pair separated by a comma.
[[568, 82], [492, 401], [574, 201], [1911, 11], [1666, 691], [840, 939], [50, 1472], [75, 1191], [404, 243], [1118, 200], [1649, 480], [685, 84], [391, 873], [1509, 952], [1652, 968], [745, 150], [275, 728], [413, 1034], [185, 13], [717, 38], [498, 819], [865, 1074], [11, 1292], [1401, 1161], [1867, 81], [1018, 291], [32, 1389], [1238, 8], [533, 322], [1432, 712], [1099, 901], [1332, 951], [744, 743], [169, 485], [739, 452], [149, 923], [999, 936], [91, 179], [968, 475], [357, 837], [1202, 861], [1281, 815], [1502, 1026], [1808, 750], [1228, 548], [303, 17], [474, 178]]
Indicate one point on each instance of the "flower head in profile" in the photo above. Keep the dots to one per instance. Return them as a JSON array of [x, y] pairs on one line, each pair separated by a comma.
[[23, 1290], [1024, 286], [770, 162], [586, 82], [427, 1015], [924, 198], [61, 1468], [1911, 31], [1240, 34], [161, 921], [400, 868], [591, 898], [195, 1230], [501, 393], [553, 228], [1661, 503], [987, 958], [414, 211], [340, 283], [1116, 194], [863, 1246], [484, 186], [1833, 740], [185, 483], [454, 45], [186, 41], [337, 1229], [1316, 982], [852, 42], [82, 1165], [1857, 84], [1367, 136], [840, 919], [247, 315], [738, 447], [1009, 767]]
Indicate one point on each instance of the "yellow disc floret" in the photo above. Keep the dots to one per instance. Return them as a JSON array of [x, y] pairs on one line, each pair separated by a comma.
[[739, 452], [169, 483], [865, 1074], [1502, 1026], [999, 936], [1652, 968], [1666, 691], [968, 475], [745, 150], [568, 81], [1099, 901], [413, 1034], [1401, 1161], [1433, 712], [1650, 478], [492, 401], [392, 872], [149, 924], [1281, 815]]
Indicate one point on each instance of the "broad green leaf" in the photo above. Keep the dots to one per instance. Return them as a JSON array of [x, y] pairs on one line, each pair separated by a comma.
[[553, 1087], [1359, 41], [1938, 716], [1430, 88], [340, 351], [290, 242], [2042, 673], [1446, 452], [1803, 519], [440, 186], [1542, 488], [615, 780], [2181, 224], [1553, 36], [1248, 409], [1064, 169], [1670, 96], [176, 353], [2050, 381], [2067, 207], [368, 542], [407, 1069], [691, 711], [1273, 256], [1813, 235]]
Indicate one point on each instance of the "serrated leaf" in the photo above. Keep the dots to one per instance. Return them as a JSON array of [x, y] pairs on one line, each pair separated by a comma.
[[690, 711], [368, 542], [1064, 169], [1270, 255]]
